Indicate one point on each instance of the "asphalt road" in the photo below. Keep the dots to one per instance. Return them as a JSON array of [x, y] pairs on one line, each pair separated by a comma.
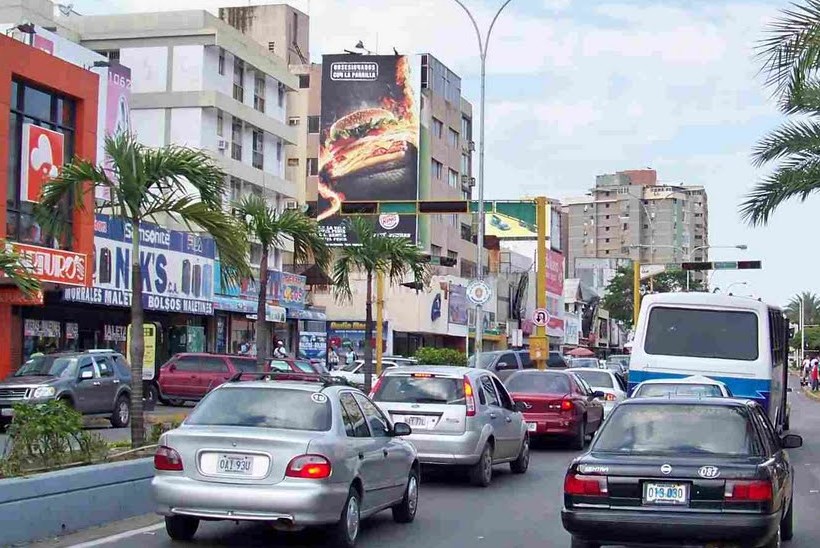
[[514, 512]]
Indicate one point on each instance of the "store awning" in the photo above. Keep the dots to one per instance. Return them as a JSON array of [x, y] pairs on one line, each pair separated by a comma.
[[315, 315]]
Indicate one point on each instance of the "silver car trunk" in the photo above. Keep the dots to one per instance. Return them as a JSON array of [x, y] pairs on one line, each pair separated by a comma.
[[430, 404]]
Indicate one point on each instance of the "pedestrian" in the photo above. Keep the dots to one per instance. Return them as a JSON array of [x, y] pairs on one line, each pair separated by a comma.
[[333, 359], [281, 352], [804, 373], [815, 374], [351, 355]]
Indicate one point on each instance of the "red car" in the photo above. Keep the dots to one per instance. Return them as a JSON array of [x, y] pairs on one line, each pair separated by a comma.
[[188, 377], [557, 403], [298, 365]]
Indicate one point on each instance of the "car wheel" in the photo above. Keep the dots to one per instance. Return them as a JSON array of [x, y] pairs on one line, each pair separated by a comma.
[[181, 527], [405, 511], [481, 473], [520, 465], [122, 412], [579, 543], [151, 393], [346, 531], [787, 523], [580, 439]]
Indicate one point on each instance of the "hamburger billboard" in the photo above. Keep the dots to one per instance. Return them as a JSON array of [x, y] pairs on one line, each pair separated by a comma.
[[369, 139]]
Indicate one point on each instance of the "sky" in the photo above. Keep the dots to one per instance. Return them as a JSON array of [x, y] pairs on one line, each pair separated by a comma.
[[577, 88]]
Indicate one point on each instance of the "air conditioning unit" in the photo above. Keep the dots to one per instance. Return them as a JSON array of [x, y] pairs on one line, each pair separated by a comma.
[[465, 179], [222, 144], [471, 146], [291, 204]]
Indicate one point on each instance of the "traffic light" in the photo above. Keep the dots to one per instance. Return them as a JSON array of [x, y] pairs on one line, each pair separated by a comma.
[[696, 266], [722, 265], [749, 265], [445, 206]]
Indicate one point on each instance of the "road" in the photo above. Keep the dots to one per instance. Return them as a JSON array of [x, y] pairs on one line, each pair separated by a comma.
[[514, 512]]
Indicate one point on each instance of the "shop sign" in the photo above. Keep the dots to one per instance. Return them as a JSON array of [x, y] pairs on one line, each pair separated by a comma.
[[43, 44], [344, 335], [41, 328], [289, 289], [42, 158], [177, 268], [313, 345], [149, 357], [117, 115], [272, 314], [72, 331], [435, 310], [13, 296], [243, 306], [457, 305], [555, 293], [54, 265], [114, 333]]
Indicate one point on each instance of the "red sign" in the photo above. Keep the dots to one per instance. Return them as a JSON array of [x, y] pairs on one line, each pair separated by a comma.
[[13, 296], [55, 265], [42, 159], [43, 43]]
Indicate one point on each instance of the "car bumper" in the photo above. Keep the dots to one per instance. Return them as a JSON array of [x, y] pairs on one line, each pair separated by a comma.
[[669, 528], [298, 502], [461, 449], [551, 425]]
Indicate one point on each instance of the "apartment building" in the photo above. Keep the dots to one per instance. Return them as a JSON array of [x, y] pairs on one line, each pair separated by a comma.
[[628, 216]]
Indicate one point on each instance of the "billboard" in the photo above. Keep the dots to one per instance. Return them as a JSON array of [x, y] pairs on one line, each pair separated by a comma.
[[554, 225], [369, 139], [117, 114], [457, 306], [555, 293], [42, 158]]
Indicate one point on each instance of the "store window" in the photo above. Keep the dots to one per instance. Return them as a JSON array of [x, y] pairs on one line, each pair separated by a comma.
[[242, 335], [43, 336], [31, 105]]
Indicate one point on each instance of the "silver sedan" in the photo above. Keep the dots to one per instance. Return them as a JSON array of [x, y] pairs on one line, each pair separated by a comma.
[[292, 453]]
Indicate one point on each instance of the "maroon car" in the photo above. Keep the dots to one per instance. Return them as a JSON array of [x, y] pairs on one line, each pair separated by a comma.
[[557, 403], [297, 365], [189, 376]]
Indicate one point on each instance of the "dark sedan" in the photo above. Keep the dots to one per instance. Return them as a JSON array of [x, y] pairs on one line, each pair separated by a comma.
[[682, 472]]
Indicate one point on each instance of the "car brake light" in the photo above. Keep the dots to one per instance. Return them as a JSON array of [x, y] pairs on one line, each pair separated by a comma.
[[168, 459], [749, 491], [566, 405], [609, 397], [588, 486], [375, 387], [469, 397], [309, 467]]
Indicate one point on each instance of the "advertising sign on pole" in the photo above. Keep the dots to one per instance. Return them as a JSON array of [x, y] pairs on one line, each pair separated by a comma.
[[369, 139], [555, 293], [117, 114]]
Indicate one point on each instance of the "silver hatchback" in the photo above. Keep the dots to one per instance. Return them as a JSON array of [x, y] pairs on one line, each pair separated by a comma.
[[292, 453], [460, 416]]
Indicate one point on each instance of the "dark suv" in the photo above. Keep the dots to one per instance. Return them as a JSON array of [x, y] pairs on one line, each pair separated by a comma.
[[188, 377], [513, 360], [93, 383]]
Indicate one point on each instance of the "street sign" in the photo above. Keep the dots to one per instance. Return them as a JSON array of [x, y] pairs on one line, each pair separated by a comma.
[[723, 265], [540, 317], [478, 292]]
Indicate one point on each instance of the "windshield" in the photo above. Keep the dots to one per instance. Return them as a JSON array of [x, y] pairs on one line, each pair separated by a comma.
[[263, 408], [671, 389], [584, 362], [352, 367], [677, 429], [533, 382], [45, 366], [400, 389], [597, 379], [485, 362], [620, 360], [698, 333]]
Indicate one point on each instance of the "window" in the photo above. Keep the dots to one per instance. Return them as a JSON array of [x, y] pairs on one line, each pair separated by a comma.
[[539, 383], [489, 390], [452, 178], [435, 250], [355, 423], [187, 363], [293, 121], [313, 124], [238, 80], [438, 169], [452, 137], [236, 189], [304, 366], [220, 123], [278, 151], [246, 365], [598, 379], [106, 366], [86, 365], [281, 94], [466, 128], [221, 64], [279, 365], [508, 360], [293, 162], [258, 160], [213, 365], [465, 164], [699, 333], [466, 233], [438, 128], [313, 166], [379, 426], [504, 396], [400, 389], [304, 81], [606, 240], [452, 255], [259, 92], [236, 139]]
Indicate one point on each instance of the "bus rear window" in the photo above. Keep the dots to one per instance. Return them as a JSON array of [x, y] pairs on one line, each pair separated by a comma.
[[697, 333]]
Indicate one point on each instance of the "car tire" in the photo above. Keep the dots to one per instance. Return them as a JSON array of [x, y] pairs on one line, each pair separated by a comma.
[[346, 531], [580, 543], [579, 441], [481, 473], [787, 523], [67, 402], [182, 528], [151, 393], [405, 511], [121, 416], [520, 465]]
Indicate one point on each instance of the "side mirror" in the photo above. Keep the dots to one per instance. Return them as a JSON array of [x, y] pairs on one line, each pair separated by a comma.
[[791, 441], [500, 366], [86, 375], [402, 429], [522, 406], [598, 394]]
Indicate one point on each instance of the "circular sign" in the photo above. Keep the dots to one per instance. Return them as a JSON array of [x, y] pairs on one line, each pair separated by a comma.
[[540, 317], [478, 292], [389, 221]]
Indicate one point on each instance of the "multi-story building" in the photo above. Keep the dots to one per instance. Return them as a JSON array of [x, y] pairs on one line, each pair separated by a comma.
[[627, 216]]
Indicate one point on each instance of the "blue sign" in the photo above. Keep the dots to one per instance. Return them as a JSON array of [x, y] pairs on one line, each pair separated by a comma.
[[435, 311]]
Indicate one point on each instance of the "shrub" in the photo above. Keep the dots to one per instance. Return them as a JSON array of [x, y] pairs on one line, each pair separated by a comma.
[[158, 429], [441, 356]]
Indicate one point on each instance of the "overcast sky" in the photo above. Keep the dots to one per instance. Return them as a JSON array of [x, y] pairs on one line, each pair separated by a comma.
[[577, 88]]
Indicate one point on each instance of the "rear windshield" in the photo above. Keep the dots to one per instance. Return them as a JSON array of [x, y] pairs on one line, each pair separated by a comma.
[[584, 362], [402, 389], [677, 429], [600, 379], [263, 408], [720, 334], [246, 365], [538, 383], [663, 390]]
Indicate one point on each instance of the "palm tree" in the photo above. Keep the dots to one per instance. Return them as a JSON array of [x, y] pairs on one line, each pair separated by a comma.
[[145, 183], [377, 254], [811, 314], [791, 62], [271, 229], [12, 267]]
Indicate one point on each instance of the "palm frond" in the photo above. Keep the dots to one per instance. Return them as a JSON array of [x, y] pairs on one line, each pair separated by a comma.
[[68, 188], [793, 45], [12, 268], [798, 137], [176, 169], [345, 263], [799, 178]]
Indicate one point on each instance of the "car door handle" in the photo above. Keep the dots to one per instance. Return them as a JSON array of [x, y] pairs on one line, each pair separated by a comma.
[[116, 381], [95, 383]]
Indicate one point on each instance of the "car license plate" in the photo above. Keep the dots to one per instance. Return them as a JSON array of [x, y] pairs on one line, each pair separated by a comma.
[[665, 493], [532, 426], [235, 465], [7, 412], [422, 422]]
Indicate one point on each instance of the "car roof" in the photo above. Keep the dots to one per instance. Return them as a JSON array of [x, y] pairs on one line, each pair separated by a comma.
[[694, 379], [435, 370], [689, 400], [577, 369], [307, 386]]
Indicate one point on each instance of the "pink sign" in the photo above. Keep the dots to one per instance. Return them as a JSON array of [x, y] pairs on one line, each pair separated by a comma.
[[117, 112], [44, 44], [555, 293]]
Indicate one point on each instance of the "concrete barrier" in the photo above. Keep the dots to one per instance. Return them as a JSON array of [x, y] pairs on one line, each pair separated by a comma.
[[57, 503]]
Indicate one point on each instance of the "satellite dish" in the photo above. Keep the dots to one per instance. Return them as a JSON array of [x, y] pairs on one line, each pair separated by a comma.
[[65, 9]]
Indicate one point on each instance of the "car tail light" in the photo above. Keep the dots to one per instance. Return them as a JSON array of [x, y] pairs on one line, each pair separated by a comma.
[[167, 459], [309, 467], [567, 405], [748, 491], [469, 397], [376, 387], [609, 397], [588, 486]]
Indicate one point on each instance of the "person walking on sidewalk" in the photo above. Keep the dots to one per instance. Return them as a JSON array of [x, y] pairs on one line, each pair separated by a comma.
[[804, 371], [815, 374]]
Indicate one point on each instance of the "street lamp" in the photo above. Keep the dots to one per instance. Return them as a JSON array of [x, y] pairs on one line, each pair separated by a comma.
[[731, 285], [483, 43], [692, 251]]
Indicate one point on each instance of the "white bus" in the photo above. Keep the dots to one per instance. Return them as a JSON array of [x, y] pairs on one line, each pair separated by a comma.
[[739, 341]]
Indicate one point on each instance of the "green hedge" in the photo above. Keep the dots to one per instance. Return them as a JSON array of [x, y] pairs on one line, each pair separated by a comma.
[[441, 356]]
